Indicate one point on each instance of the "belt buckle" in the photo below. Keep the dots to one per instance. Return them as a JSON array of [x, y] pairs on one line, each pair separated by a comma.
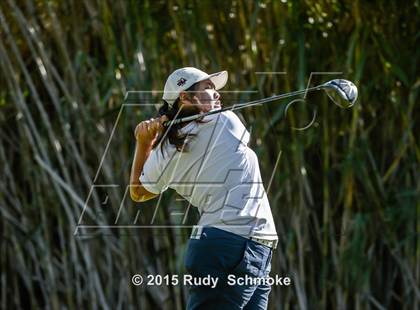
[[196, 232]]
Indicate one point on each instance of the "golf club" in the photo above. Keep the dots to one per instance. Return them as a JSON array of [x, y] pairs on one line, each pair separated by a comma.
[[342, 92]]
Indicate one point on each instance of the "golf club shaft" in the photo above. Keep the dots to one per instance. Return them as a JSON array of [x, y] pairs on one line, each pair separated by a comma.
[[242, 105]]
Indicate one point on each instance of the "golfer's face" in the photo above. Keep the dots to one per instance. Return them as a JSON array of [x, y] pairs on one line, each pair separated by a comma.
[[207, 95]]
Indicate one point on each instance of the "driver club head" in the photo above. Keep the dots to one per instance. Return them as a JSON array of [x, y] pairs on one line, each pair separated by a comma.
[[342, 92]]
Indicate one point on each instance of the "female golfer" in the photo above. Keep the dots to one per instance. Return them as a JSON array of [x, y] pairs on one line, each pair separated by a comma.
[[209, 163]]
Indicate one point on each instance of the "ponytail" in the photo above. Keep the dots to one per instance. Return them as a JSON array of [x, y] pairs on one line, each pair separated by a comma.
[[172, 134], [163, 110]]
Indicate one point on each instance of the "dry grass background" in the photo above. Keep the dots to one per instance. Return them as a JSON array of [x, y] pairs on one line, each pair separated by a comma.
[[345, 194]]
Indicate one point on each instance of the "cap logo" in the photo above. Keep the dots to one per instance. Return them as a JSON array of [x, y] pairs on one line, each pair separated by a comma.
[[181, 82]]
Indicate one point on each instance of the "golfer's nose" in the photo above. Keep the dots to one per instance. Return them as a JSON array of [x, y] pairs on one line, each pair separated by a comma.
[[216, 95]]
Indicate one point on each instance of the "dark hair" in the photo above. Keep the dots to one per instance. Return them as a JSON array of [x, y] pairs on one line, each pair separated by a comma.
[[172, 134]]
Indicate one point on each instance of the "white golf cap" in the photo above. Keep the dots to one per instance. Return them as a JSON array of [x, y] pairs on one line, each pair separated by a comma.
[[184, 78]]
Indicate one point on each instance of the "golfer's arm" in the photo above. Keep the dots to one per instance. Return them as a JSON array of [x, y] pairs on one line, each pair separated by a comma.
[[137, 191]]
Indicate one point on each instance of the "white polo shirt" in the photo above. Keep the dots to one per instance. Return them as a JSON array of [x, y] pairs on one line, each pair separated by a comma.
[[219, 174]]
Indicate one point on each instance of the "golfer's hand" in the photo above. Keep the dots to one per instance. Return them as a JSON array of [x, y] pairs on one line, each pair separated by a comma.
[[147, 131]]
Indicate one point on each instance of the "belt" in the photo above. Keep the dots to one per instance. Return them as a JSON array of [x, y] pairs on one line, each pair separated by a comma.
[[197, 231], [270, 243]]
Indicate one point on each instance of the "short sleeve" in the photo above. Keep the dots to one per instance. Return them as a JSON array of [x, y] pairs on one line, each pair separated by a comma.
[[152, 176]]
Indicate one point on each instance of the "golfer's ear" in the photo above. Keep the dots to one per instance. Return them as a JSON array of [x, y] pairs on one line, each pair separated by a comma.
[[184, 97]]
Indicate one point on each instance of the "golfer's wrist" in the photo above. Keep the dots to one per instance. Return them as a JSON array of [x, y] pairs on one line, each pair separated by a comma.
[[144, 145]]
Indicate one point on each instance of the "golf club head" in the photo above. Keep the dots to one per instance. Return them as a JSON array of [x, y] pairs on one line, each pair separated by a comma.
[[342, 92]]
